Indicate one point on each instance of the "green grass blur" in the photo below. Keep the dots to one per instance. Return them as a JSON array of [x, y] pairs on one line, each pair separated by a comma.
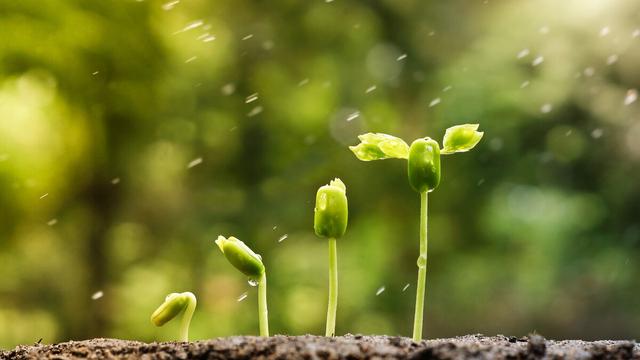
[[133, 133]]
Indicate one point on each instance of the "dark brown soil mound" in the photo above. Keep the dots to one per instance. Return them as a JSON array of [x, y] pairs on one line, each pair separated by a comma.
[[343, 347]]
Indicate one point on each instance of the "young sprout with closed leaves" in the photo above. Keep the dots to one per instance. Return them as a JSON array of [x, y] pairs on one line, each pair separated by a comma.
[[330, 221], [423, 160], [250, 264], [173, 305]]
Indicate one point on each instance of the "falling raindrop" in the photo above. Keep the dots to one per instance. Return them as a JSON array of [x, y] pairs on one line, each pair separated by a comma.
[[546, 108], [405, 287], [380, 290], [52, 222], [631, 97], [283, 238], [538, 60], [194, 162], [597, 133], [243, 296], [447, 88], [589, 71], [604, 31], [95, 72], [434, 102], [612, 59], [190, 26], [252, 282], [370, 89], [115, 181], [247, 37], [274, 227], [228, 89], [353, 116], [251, 98], [97, 295], [524, 84], [44, 196], [402, 57], [303, 82], [255, 111], [635, 33], [170, 5], [522, 53], [190, 59], [480, 182]]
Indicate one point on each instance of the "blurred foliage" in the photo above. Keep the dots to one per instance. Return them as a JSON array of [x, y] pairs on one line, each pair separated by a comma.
[[133, 133]]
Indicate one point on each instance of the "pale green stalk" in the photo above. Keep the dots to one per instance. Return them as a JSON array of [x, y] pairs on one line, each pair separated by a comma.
[[263, 313], [186, 317], [333, 288], [422, 270]]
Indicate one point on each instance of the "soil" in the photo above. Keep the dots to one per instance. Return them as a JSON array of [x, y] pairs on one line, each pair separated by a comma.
[[349, 347]]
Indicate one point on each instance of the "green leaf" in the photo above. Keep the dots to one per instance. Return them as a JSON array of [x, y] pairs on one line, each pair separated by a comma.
[[376, 146], [461, 138], [173, 304], [241, 256]]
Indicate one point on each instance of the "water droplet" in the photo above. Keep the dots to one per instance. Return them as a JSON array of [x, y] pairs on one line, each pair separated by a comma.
[[612, 59], [243, 296], [524, 84], [283, 238], [255, 111], [274, 227], [422, 261], [190, 59], [522, 53], [434, 102], [370, 89], [115, 181], [402, 57], [380, 290], [252, 282], [538, 60], [604, 31], [206, 37], [95, 73], [405, 287], [597, 133], [251, 98], [303, 82], [247, 37], [353, 116], [480, 182], [44, 196], [447, 88], [631, 97], [546, 108], [228, 89], [194, 162], [52, 222], [97, 295]]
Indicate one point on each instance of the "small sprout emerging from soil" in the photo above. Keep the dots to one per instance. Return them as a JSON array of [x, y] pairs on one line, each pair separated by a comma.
[[173, 305], [423, 169], [330, 221], [250, 264]]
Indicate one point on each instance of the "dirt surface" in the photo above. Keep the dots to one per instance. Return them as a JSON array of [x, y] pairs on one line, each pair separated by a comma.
[[350, 347]]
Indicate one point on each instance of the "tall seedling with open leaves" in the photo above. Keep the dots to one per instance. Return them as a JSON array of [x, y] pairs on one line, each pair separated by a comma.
[[423, 169]]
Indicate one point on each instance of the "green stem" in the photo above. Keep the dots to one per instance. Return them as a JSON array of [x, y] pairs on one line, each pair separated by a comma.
[[333, 288], [422, 270], [263, 313], [186, 317]]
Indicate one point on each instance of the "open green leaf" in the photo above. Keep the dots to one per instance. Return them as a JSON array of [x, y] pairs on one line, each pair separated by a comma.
[[461, 138], [376, 146]]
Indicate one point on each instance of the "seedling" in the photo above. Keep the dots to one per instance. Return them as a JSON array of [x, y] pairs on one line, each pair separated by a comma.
[[250, 264], [423, 159], [330, 221], [173, 305]]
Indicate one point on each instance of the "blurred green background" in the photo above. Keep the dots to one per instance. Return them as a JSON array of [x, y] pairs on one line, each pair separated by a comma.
[[133, 133]]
